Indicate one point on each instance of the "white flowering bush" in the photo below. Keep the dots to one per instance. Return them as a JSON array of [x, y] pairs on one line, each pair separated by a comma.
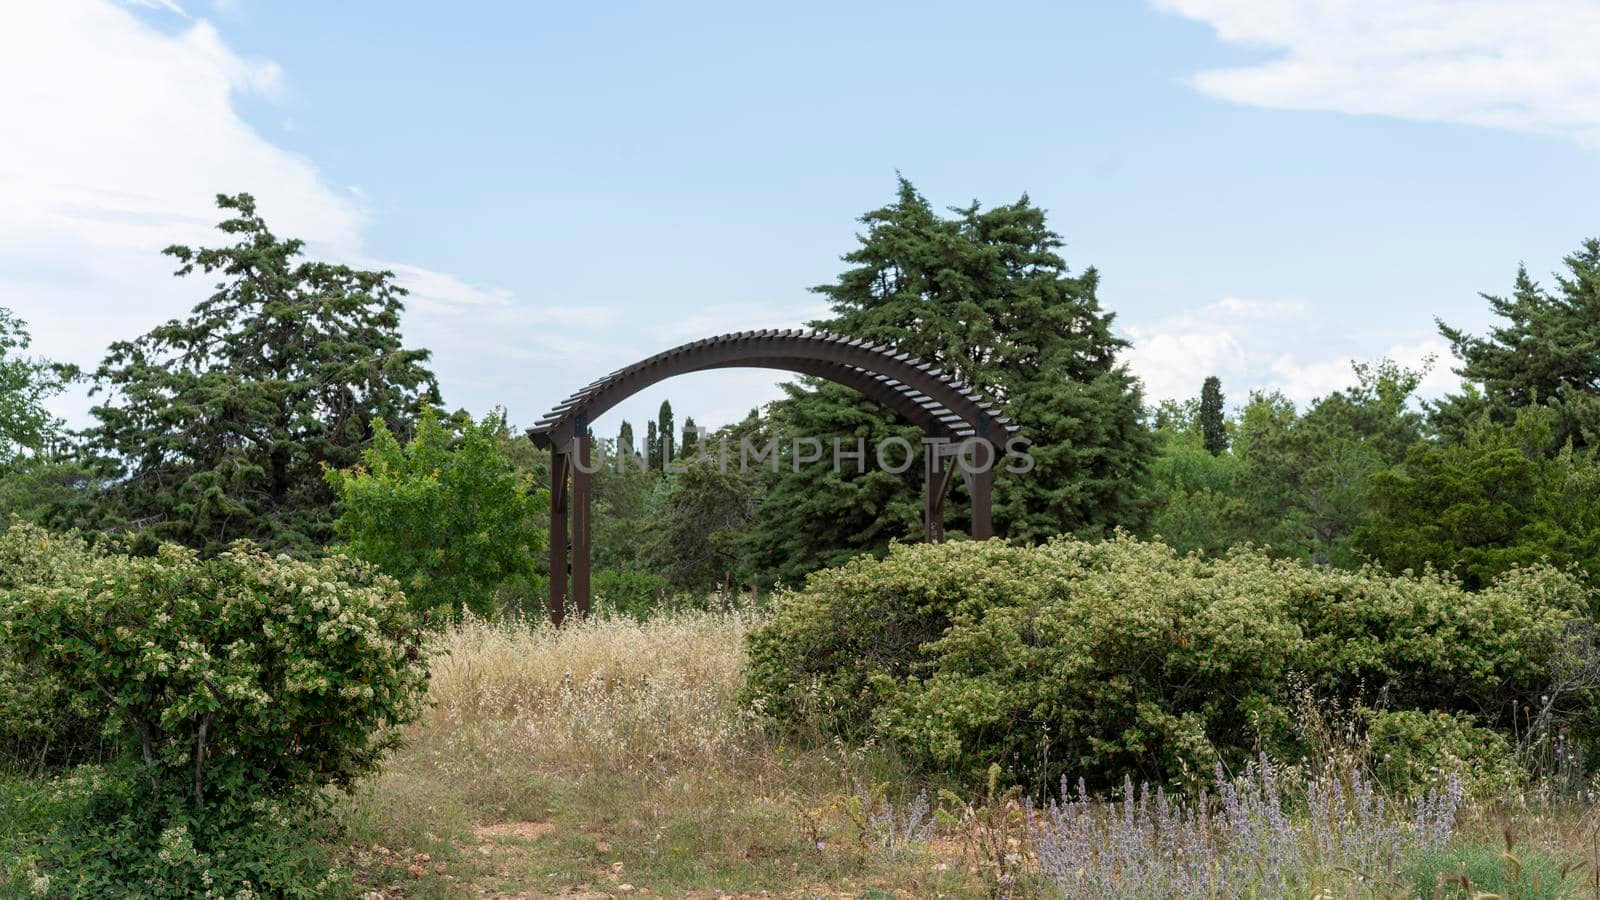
[[239, 686], [1123, 658], [242, 670]]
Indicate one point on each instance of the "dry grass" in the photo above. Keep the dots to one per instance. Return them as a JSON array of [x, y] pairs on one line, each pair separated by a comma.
[[613, 758], [611, 696], [621, 747]]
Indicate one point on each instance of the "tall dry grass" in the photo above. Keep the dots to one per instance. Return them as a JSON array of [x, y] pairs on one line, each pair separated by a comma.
[[617, 734], [608, 695]]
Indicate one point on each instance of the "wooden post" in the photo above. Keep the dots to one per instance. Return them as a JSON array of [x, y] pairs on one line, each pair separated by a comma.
[[560, 465], [582, 494], [982, 487], [937, 484]]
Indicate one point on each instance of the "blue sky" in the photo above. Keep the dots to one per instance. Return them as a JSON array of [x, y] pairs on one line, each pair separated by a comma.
[[1270, 189]]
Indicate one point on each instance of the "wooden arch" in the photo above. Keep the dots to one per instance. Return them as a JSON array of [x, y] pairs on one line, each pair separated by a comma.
[[946, 410]]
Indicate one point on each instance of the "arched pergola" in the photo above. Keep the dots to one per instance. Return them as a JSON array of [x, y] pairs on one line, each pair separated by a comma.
[[948, 412]]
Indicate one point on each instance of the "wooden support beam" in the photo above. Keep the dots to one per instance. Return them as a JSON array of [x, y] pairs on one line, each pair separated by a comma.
[[939, 469], [582, 504], [560, 466], [982, 487]]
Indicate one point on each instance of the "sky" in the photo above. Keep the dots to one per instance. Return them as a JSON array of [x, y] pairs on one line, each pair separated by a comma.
[[1269, 189]]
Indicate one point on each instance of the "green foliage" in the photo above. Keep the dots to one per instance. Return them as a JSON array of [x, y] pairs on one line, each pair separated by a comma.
[[52, 491], [446, 514], [664, 449], [1124, 658], [1546, 352], [244, 673], [698, 539], [25, 384], [235, 688], [1410, 747], [634, 594], [1493, 499], [1212, 419], [43, 725], [1474, 872], [222, 422], [90, 833], [1307, 478], [984, 295], [1196, 493]]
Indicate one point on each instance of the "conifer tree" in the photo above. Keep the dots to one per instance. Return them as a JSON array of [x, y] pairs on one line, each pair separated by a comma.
[[691, 437], [625, 438], [223, 422], [1213, 426], [652, 446], [1545, 352], [664, 433], [985, 295]]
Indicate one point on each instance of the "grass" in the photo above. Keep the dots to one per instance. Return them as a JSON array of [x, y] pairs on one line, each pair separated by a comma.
[[613, 758], [615, 754]]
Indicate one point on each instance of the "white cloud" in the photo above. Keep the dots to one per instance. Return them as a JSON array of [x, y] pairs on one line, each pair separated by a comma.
[[116, 139], [1529, 65], [1268, 346]]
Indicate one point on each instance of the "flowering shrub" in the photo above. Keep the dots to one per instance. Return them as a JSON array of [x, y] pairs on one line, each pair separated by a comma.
[[1123, 658], [239, 685], [1264, 834], [40, 725]]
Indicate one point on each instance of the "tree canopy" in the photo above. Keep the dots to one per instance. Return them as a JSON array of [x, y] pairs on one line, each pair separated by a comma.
[[983, 294], [220, 424]]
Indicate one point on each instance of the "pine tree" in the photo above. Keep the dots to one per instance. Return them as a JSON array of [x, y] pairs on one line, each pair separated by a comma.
[[1546, 352], [222, 423], [985, 295], [1213, 427], [652, 446]]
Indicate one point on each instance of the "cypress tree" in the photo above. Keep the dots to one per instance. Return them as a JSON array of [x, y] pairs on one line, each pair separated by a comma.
[[664, 433], [691, 437], [1213, 428]]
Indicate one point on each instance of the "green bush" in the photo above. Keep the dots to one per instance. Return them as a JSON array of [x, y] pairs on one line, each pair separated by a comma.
[[1125, 658], [629, 593], [41, 725], [238, 686], [1411, 749], [447, 514]]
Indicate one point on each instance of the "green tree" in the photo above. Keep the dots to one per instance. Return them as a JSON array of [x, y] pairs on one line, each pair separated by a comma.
[[652, 446], [1306, 479], [625, 438], [1496, 499], [697, 539], [691, 437], [222, 423], [446, 513], [26, 424], [664, 434], [985, 295], [1195, 494], [1213, 423], [1545, 352]]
